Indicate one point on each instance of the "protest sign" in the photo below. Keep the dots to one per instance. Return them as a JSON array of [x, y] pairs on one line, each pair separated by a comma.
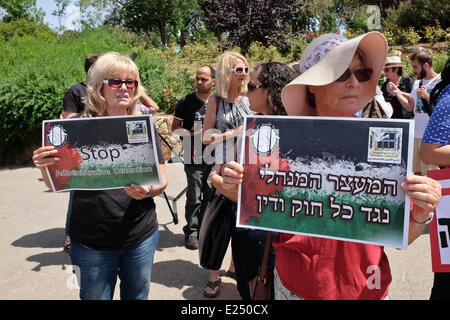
[[102, 152], [440, 226], [335, 178]]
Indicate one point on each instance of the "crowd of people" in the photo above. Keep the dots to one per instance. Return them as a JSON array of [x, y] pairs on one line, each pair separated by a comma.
[[114, 233]]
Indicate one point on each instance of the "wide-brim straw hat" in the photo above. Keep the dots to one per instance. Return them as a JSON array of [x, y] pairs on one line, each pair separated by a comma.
[[394, 61], [325, 59]]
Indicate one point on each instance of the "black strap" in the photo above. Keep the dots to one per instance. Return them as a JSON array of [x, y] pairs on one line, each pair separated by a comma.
[[426, 106]]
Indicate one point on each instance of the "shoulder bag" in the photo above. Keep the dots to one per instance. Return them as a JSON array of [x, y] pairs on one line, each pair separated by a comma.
[[215, 231], [261, 287]]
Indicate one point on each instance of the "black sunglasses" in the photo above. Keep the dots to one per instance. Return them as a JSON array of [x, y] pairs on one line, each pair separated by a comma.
[[117, 83], [362, 75], [251, 87], [240, 70]]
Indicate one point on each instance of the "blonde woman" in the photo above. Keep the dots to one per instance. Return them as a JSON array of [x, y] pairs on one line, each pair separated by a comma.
[[223, 120], [112, 232], [226, 109]]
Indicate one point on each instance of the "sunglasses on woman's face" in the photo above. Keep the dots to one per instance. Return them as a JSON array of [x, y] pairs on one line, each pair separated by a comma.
[[117, 83], [362, 75], [251, 87], [240, 70], [389, 70]]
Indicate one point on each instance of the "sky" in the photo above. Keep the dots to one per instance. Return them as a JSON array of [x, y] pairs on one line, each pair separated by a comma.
[[72, 13]]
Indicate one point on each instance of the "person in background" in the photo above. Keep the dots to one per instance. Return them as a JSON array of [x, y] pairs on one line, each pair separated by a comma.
[[339, 77], [147, 105], [422, 66], [189, 114], [224, 116], [73, 104], [376, 108], [397, 87], [73, 101], [435, 149], [264, 93], [113, 233]]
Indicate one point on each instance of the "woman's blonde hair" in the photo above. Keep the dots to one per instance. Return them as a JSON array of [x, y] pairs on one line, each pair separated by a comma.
[[223, 73], [108, 65]]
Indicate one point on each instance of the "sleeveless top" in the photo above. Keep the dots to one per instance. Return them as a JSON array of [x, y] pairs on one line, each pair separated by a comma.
[[230, 116]]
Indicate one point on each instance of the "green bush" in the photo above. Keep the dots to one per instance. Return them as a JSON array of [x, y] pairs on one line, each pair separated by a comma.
[[34, 76], [258, 53], [407, 36], [164, 80], [26, 29], [401, 36], [435, 33]]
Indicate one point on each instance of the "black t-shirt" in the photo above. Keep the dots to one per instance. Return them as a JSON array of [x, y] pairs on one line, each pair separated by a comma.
[[111, 219], [191, 109], [72, 101], [406, 84]]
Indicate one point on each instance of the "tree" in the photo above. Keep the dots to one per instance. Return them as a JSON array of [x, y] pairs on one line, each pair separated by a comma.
[[245, 21], [169, 17], [21, 9], [60, 10], [93, 12], [419, 13]]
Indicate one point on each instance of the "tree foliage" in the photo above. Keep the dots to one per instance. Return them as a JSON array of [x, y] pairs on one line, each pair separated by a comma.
[[245, 21], [419, 13], [169, 17], [21, 9]]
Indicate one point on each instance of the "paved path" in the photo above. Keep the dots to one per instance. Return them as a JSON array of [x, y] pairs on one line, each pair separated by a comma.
[[33, 265]]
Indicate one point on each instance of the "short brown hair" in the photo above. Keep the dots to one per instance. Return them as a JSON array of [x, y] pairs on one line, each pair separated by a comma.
[[89, 61], [422, 57]]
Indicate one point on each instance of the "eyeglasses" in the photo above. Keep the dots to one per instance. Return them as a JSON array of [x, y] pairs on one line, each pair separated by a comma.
[[362, 75], [240, 70], [251, 87], [117, 83]]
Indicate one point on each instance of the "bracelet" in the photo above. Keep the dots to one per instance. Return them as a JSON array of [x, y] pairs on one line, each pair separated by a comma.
[[421, 223], [209, 180], [150, 192]]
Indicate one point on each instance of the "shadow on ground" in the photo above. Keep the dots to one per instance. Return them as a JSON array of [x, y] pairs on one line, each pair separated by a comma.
[[47, 239]]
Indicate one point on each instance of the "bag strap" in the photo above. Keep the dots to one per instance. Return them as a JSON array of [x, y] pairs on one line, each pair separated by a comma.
[[262, 277], [217, 105]]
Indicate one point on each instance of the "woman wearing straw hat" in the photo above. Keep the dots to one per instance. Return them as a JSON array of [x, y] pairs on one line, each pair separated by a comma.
[[396, 88], [339, 77]]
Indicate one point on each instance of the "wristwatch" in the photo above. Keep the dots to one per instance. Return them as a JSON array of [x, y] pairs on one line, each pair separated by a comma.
[[209, 180]]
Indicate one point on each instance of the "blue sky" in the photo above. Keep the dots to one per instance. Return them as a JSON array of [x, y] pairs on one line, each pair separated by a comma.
[[49, 6]]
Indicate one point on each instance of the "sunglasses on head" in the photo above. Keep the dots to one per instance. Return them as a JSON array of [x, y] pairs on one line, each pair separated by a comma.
[[117, 83], [362, 75], [251, 87], [240, 70]]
